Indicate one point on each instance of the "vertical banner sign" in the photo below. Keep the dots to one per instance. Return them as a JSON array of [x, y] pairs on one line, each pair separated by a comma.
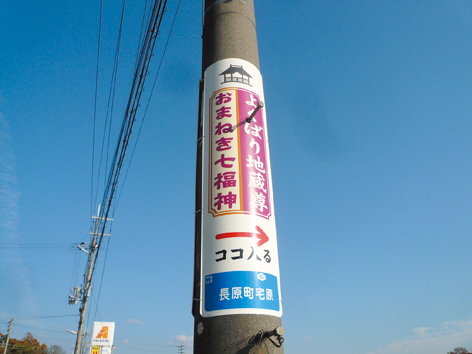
[[102, 334], [240, 267]]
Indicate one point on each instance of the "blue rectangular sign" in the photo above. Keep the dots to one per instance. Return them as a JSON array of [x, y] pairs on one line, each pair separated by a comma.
[[240, 290]]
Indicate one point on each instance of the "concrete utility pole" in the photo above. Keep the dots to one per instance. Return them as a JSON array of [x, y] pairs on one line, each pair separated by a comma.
[[10, 324], [237, 303], [87, 286]]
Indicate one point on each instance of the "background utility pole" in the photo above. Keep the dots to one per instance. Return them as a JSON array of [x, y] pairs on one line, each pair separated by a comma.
[[87, 287], [236, 303], [10, 324]]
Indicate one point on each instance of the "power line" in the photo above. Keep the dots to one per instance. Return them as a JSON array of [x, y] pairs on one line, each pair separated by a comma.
[[129, 118], [37, 246], [95, 103], [110, 104], [25, 318], [145, 350], [149, 99], [137, 88], [101, 279]]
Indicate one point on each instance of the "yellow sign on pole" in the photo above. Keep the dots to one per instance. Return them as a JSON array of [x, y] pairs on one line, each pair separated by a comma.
[[95, 349]]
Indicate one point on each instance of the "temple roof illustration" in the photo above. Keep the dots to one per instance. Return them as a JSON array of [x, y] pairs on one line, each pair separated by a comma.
[[236, 73]]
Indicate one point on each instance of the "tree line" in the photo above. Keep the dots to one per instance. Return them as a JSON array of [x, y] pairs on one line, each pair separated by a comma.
[[27, 345], [459, 350]]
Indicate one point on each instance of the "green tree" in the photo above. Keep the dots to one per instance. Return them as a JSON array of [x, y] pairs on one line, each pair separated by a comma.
[[459, 350], [56, 349], [27, 345]]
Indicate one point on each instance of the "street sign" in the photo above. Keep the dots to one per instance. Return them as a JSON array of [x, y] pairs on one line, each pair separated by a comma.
[[240, 268]]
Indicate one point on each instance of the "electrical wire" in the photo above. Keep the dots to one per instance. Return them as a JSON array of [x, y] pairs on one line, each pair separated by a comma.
[[25, 318], [36, 246], [145, 350], [137, 88], [75, 270], [148, 102], [101, 279], [144, 20], [131, 109], [95, 103], [110, 104], [114, 78]]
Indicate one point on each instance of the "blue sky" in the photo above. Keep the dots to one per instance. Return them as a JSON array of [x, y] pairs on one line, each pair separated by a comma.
[[369, 116]]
